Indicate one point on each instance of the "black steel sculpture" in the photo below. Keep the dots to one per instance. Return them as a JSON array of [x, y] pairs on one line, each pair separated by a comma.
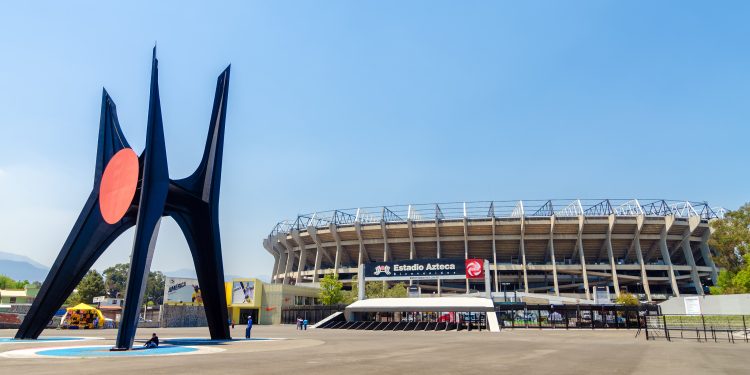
[[193, 202]]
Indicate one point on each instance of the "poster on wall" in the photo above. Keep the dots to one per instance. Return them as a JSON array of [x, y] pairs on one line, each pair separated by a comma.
[[243, 292], [182, 290], [692, 306]]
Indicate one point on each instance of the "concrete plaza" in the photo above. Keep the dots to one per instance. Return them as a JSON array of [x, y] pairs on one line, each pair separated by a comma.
[[368, 352]]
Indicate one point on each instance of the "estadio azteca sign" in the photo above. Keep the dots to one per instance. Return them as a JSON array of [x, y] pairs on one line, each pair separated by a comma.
[[426, 269]]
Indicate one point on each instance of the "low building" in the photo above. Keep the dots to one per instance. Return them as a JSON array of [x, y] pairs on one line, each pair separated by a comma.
[[18, 296], [111, 308], [265, 302], [245, 297]]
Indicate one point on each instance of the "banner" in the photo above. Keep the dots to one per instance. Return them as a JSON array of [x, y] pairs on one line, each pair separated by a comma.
[[417, 269], [182, 290], [243, 292]]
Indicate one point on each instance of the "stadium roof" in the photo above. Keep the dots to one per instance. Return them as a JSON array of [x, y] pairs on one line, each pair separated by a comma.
[[501, 209]]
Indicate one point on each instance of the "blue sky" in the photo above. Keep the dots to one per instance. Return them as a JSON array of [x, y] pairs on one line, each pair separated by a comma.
[[340, 104]]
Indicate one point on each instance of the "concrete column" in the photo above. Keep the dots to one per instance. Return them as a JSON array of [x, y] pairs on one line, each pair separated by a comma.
[[282, 263], [610, 253], [466, 244], [439, 252], [289, 260], [551, 246], [639, 255], [706, 253], [688, 251], [582, 257], [302, 256], [316, 267], [319, 251], [337, 261], [275, 265], [668, 221], [267, 244], [523, 257], [411, 239], [363, 255], [494, 254], [386, 249]]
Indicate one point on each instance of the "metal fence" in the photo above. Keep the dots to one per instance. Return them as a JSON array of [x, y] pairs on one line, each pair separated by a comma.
[[702, 328], [521, 315]]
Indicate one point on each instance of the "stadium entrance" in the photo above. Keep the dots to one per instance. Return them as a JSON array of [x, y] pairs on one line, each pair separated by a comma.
[[244, 313], [417, 314]]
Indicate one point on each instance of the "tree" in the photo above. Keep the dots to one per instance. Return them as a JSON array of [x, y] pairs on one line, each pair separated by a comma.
[[398, 290], [116, 279], [731, 238], [154, 288], [73, 299], [376, 289], [627, 299], [8, 283], [92, 285], [330, 290], [730, 241], [734, 282]]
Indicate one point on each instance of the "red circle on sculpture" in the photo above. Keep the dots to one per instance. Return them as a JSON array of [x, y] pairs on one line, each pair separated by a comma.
[[119, 182]]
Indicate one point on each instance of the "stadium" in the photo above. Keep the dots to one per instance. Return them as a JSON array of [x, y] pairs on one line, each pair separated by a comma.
[[559, 248]]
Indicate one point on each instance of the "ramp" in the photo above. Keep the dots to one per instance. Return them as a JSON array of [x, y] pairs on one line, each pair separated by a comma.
[[330, 318]]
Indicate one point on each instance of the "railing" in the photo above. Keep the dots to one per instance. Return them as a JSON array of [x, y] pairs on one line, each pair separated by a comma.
[[702, 328], [522, 315], [500, 210]]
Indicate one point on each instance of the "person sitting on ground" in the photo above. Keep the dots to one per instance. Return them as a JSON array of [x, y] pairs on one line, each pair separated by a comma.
[[153, 342]]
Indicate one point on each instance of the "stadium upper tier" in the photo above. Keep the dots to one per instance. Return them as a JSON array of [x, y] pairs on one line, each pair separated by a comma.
[[655, 247]]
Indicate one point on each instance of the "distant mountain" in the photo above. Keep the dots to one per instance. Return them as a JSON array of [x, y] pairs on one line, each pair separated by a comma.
[[21, 258], [19, 267], [182, 272]]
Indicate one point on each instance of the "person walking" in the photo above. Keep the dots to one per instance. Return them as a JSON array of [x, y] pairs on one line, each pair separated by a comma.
[[249, 327], [304, 324], [299, 323]]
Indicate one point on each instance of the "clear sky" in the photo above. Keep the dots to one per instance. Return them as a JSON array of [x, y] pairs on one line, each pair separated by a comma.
[[338, 104]]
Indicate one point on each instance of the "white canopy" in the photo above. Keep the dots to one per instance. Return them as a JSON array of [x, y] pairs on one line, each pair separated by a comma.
[[436, 304]]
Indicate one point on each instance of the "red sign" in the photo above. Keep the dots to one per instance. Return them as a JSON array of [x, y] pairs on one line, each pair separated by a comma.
[[474, 268]]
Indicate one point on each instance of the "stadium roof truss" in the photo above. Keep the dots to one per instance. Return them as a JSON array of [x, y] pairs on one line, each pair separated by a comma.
[[455, 211]]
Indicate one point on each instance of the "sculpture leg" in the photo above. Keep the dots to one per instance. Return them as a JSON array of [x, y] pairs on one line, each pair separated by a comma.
[[140, 263], [154, 188], [87, 240], [203, 238]]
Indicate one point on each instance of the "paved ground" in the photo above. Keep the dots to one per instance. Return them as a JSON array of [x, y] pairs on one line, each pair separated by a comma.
[[367, 352]]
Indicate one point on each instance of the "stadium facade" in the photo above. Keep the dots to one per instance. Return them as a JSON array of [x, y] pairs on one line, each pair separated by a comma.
[[654, 248]]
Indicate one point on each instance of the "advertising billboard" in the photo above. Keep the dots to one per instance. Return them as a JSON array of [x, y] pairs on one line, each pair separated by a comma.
[[182, 290], [418, 269], [243, 292]]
